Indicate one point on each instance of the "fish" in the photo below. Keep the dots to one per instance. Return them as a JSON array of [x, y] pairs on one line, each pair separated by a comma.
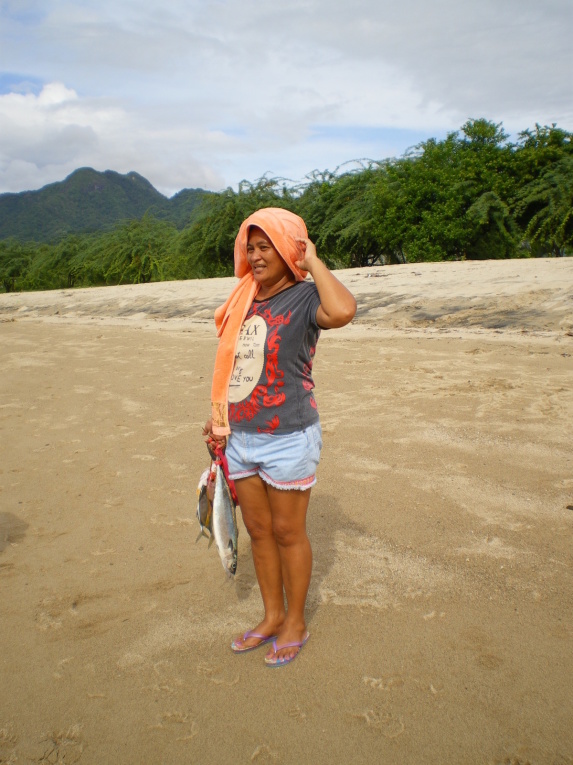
[[205, 506], [224, 522]]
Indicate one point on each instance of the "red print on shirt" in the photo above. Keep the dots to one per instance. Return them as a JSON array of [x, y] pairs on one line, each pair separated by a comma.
[[269, 395], [308, 382]]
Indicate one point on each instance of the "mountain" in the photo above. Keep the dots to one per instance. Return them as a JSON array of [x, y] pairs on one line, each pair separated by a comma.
[[88, 201], [183, 207]]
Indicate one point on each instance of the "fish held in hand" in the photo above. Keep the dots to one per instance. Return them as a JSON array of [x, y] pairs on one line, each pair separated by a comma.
[[224, 522], [205, 506]]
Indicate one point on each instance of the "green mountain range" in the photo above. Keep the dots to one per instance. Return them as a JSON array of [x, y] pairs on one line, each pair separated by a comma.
[[88, 201]]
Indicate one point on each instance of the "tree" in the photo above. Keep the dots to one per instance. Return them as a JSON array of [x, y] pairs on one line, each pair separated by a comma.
[[545, 208], [207, 246], [137, 251], [447, 200], [57, 266], [539, 148], [493, 228], [340, 213], [15, 259]]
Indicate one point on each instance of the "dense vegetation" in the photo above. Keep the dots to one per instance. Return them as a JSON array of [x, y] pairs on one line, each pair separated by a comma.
[[473, 195]]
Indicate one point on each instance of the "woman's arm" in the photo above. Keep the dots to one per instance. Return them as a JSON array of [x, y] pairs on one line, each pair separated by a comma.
[[337, 304]]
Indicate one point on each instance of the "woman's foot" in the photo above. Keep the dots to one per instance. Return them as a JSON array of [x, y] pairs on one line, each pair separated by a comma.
[[286, 646], [262, 634]]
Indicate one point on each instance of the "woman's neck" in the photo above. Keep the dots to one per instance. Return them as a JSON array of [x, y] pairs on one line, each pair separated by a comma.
[[267, 292]]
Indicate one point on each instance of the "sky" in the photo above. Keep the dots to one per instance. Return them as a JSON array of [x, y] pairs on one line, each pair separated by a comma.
[[206, 93]]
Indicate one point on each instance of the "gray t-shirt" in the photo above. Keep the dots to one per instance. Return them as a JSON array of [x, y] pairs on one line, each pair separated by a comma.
[[271, 386]]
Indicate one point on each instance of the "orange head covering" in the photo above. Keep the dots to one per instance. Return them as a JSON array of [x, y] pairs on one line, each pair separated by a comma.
[[282, 227]]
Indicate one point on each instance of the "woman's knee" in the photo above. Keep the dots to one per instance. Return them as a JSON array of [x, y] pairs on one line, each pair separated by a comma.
[[257, 527], [287, 533]]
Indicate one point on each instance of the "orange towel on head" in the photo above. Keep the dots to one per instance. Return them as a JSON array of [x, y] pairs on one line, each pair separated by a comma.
[[282, 227]]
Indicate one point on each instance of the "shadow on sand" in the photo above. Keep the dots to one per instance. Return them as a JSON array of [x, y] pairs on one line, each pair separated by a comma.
[[325, 518]]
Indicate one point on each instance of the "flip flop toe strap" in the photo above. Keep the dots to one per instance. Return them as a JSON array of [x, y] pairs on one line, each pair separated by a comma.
[[251, 634], [297, 644], [256, 635]]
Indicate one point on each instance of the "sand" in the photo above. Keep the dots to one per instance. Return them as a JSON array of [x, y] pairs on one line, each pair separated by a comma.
[[440, 609]]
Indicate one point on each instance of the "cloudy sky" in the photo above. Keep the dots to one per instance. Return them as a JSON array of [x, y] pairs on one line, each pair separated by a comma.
[[204, 93]]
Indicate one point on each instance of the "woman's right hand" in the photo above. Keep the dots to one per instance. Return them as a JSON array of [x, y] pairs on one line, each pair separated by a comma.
[[212, 440]]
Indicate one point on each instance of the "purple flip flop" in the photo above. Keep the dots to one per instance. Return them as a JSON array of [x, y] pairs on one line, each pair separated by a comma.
[[281, 661], [236, 644]]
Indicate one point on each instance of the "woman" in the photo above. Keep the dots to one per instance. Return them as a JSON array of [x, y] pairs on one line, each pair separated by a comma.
[[262, 401]]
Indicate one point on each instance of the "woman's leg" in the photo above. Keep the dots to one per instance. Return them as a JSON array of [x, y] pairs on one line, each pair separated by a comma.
[[256, 512], [276, 522], [288, 511]]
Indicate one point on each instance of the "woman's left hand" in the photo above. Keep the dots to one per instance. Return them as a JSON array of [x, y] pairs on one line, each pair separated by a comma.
[[309, 256], [337, 304]]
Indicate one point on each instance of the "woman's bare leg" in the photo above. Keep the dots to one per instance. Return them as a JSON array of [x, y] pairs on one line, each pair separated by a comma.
[[276, 522], [288, 511], [256, 512]]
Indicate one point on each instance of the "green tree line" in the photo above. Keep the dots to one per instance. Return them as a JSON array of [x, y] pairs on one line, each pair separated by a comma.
[[473, 195]]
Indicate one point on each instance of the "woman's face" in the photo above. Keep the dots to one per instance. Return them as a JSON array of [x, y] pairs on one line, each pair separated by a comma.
[[267, 265]]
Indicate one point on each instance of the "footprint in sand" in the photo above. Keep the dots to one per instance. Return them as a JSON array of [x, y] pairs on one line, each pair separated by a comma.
[[383, 722], [169, 719], [63, 746], [263, 753], [297, 714], [8, 741], [12, 530], [215, 676], [384, 683]]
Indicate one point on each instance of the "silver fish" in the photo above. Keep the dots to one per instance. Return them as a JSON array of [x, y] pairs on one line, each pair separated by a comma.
[[205, 507], [225, 528]]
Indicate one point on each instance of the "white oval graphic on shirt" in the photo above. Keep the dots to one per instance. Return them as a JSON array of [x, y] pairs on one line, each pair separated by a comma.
[[249, 359]]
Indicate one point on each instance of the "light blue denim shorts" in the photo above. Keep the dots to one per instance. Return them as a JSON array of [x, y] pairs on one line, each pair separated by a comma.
[[283, 460]]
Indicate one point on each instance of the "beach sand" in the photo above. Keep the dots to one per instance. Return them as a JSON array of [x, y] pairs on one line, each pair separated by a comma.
[[440, 608]]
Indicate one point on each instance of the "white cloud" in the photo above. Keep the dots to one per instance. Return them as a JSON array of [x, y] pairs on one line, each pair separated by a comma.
[[206, 93], [46, 137]]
